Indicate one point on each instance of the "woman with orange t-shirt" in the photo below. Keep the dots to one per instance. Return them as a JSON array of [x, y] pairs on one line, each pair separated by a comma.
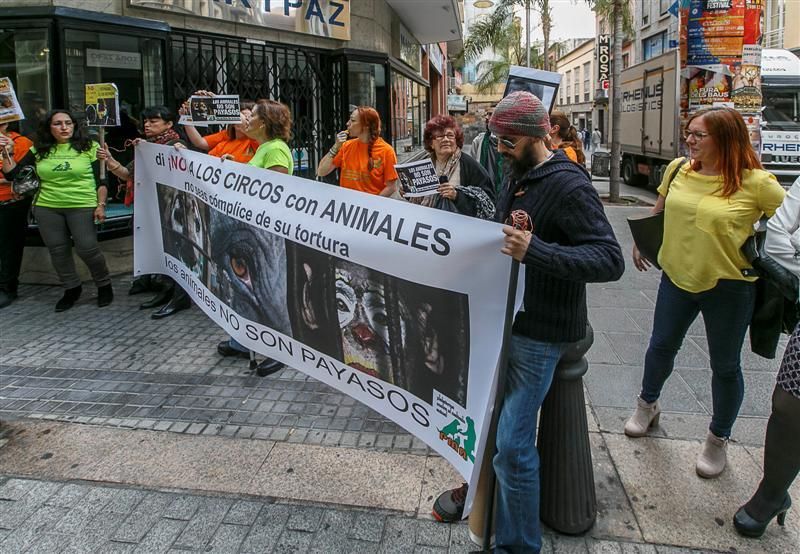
[[231, 143], [13, 217], [365, 161]]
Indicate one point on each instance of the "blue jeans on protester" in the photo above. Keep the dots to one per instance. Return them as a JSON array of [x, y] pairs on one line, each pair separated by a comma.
[[531, 365], [727, 309], [236, 345]]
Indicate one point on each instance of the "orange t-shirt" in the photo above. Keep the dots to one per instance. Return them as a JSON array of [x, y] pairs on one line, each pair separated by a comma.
[[570, 152], [21, 147], [353, 162], [241, 149]]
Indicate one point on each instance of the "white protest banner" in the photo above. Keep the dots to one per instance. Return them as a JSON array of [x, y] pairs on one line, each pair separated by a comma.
[[10, 109], [418, 178], [220, 109], [399, 306]]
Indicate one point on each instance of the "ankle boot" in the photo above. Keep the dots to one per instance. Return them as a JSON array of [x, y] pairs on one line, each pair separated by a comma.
[[68, 300], [646, 415], [105, 295], [713, 458]]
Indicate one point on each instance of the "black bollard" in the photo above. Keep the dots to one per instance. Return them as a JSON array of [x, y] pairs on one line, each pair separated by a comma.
[[568, 502]]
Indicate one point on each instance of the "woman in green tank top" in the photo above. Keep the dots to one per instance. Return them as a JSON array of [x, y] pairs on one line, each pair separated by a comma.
[[70, 200]]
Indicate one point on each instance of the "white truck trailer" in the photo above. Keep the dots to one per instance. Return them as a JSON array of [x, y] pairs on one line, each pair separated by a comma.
[[650, 126]]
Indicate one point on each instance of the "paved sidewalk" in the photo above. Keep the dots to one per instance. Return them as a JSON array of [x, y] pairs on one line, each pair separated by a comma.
[[104, 404]]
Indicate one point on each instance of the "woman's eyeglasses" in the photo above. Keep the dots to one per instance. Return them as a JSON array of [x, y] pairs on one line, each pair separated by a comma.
[[448, 136], [698, 135]]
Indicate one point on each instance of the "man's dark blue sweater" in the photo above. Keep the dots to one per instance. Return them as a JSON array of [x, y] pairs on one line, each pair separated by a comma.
[[572, 244]]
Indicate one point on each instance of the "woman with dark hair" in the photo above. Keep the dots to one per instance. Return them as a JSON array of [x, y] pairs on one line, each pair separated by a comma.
[[231, 143], [271, 126], [564, 136], [712, 204], [157, 123], [462, 180], [365, 161], [71, 198]]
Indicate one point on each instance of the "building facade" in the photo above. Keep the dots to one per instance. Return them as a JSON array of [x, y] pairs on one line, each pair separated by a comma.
[[320, 57], [578, 82]]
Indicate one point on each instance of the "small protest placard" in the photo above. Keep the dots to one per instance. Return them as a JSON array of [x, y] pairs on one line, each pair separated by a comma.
[[222, 109], [418, 178], [10, 109], [102, 105]]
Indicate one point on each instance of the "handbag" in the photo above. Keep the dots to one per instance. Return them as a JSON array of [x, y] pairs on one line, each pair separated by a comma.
[[755, 253], [26, 182], [648, 231]]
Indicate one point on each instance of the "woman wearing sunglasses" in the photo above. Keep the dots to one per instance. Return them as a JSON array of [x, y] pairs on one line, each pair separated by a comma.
[[710, 207], [464, 186]]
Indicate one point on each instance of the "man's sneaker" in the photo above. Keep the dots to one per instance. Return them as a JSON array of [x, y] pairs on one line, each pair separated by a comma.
[[449, 507]]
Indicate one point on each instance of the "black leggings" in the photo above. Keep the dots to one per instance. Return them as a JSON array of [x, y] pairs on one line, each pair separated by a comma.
[[781, 455]]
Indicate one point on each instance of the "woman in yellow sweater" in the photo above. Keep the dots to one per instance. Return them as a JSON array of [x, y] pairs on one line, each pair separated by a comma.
[[711, 206]]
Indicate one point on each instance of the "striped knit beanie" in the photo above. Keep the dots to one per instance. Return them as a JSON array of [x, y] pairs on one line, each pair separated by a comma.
[[522, 114]]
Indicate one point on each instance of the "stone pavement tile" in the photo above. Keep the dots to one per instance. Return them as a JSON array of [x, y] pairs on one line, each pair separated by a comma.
[[601, 351], [618, 387], [69, 495], [14, 512], [568, 545], [293, 542], [48, 543], [612, 319], [265, 531], [342, 476], [673, 506], [204, 523], [460, 543], [367, 527], [243, 512], [183, 507], [637, 548], [160, 536], [604, 296], [79, 516], [15, 489], [399, 536], [123, 501], [615, 517], [28, 531], [433, 533], [305, 518], [227, 539], [631, 349], [138, 523], [439, 476], [95, 533], [429, 550], [758, 387]]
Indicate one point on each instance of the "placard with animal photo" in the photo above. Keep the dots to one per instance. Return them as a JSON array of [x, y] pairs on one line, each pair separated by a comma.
[[10, 109], [102, 105], [221, 109]]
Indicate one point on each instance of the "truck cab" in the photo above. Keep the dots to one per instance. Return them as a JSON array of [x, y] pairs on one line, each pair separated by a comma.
[[780, 117]]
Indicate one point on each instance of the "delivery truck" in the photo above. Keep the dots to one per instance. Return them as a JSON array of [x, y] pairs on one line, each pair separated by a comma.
[[650, 126]]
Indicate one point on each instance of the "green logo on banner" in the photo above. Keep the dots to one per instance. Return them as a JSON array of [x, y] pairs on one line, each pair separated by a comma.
[[460, 437]]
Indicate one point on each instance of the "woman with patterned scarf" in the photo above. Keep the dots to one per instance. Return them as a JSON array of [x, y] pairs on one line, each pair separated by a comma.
[[465, 187], [158, 123]]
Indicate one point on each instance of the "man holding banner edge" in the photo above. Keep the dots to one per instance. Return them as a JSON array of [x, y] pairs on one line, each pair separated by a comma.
[[562, 236]]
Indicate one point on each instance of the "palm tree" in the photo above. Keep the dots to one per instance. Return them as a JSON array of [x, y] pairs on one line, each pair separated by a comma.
[[617, 11]]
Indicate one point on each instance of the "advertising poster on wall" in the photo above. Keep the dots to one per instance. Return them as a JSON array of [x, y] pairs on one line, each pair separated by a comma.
[[720, 53], [382, 300]]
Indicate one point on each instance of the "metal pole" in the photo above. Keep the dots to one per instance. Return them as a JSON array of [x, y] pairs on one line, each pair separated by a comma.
[[527, 33], [498, 400]]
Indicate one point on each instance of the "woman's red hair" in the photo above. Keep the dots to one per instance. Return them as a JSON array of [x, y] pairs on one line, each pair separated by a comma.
[[732, 140], [370, 120], [439, 125]]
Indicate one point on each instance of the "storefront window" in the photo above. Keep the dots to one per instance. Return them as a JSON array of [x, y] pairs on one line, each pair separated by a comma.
[[409, 114], [134, 64], [367, 84], [25, 57]]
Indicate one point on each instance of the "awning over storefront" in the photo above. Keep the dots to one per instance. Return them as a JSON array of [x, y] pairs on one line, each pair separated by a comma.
[[430, 20]]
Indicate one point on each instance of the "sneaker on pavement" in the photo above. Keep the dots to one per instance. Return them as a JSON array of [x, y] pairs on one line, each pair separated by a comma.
[[449, 507]]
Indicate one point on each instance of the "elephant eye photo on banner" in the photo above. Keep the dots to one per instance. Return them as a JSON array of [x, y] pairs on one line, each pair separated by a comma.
[[399, 306]]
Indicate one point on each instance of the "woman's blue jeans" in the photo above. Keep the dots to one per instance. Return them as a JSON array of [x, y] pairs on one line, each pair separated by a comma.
[[531, 365], [726, 309]]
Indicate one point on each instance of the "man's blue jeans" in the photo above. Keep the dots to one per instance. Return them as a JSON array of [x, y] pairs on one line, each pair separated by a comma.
[[727, 310], [531, 365]]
